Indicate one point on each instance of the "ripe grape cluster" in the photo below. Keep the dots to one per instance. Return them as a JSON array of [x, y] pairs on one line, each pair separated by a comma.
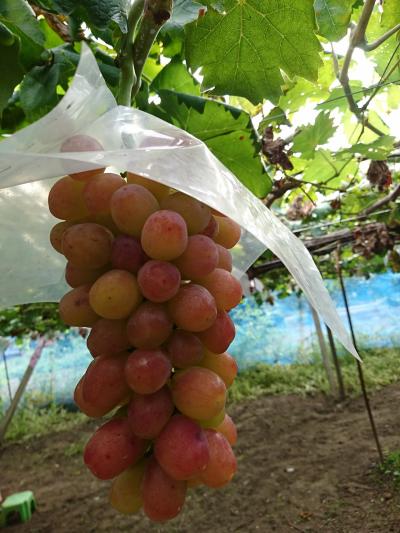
[[150, 272]]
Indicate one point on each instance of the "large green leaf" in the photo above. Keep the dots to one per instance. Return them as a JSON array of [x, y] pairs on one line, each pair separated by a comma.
[[38, 91], [338, 99], [12, 71], [313, 135], [226, 130], [243, 50], [333, 17], [387, 55], [176, 77], [184, 11], [18, 16], [236, 151], [98, 13], [391, 13]]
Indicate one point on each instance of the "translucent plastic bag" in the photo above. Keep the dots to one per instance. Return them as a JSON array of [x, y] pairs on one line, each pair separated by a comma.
[[30, 162]]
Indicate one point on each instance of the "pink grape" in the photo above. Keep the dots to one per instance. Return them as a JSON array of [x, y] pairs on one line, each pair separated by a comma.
[[149, 326], [199, 259], [147, 371], [75, 308], [87, 245], [127, 254], [222, 364], [224, 258], [228, 429], [131, 205], [164, 235], [163, 497], [108, 337], [82, 143], [219, 336], [149, 413], [193, 308], [198, 393], [112, 449], [196, 214], [229, 232], [184, 349], [115, 295], [98, 191], [159, 281], [226, 289], [66, 199], [181, 449], [222, 464]]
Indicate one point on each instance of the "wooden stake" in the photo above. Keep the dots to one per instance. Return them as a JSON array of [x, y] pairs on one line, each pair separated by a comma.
[[336, 362], [21, 389]]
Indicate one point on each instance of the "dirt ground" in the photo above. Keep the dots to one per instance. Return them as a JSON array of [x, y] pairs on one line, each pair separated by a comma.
[[304, 465]]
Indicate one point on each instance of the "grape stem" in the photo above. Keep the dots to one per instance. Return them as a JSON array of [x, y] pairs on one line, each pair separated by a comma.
[[146, 18]]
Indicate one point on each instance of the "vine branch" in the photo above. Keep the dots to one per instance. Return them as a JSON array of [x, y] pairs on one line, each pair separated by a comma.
[[155, 15], [357, 39], [128, 75], [391, 197], [368, 47]]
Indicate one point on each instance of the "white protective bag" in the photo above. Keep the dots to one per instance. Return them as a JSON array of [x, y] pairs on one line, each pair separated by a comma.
[[30, 162]]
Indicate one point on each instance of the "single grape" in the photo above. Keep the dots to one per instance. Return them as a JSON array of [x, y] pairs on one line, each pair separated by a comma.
[[76, 276], [127, 254], [164, 235], [82, 143], [181, 449], [75, 308], [89, 410], [196, 214], [125, 494], [193, 308], [98, 191], [228, 429], [131, 205], [159, 281], [163, 497], [184, 349], [198, 393], [57, 233], [149, 413], [157, 189], [219, 336], [224, 258], [199, 259], [66, 199], [149, 326], [147, 371], [212, 228], [108, 337], [222, 464], [226, 289], [87, 245], [115, 295], [112, 449], [228, 233], [104, 386], [222, 364]]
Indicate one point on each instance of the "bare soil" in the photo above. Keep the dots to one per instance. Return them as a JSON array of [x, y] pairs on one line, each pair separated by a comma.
[[305, 464]]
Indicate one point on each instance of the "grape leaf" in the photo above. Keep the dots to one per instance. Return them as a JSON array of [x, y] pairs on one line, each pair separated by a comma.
[[377, 150], [21, 16], [38, 91], [333, 17], [226, 130], [98, 13], [391, 13], [184, 11], [313, 135], [338, 99], [176, 77], [235, 150], [9, 63], [20, 19], [243, 50]]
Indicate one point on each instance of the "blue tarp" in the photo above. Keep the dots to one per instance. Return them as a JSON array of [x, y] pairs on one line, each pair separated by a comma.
[[282, 333]]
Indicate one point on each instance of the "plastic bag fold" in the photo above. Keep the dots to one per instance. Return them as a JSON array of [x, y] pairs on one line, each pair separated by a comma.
[[30, 162]]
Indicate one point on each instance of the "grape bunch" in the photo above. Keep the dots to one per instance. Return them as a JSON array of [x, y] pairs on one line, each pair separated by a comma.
[[150, 273]]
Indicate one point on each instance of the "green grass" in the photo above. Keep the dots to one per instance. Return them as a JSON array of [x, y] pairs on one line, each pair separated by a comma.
[[30, 420], [391, 467], [381, 367]]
